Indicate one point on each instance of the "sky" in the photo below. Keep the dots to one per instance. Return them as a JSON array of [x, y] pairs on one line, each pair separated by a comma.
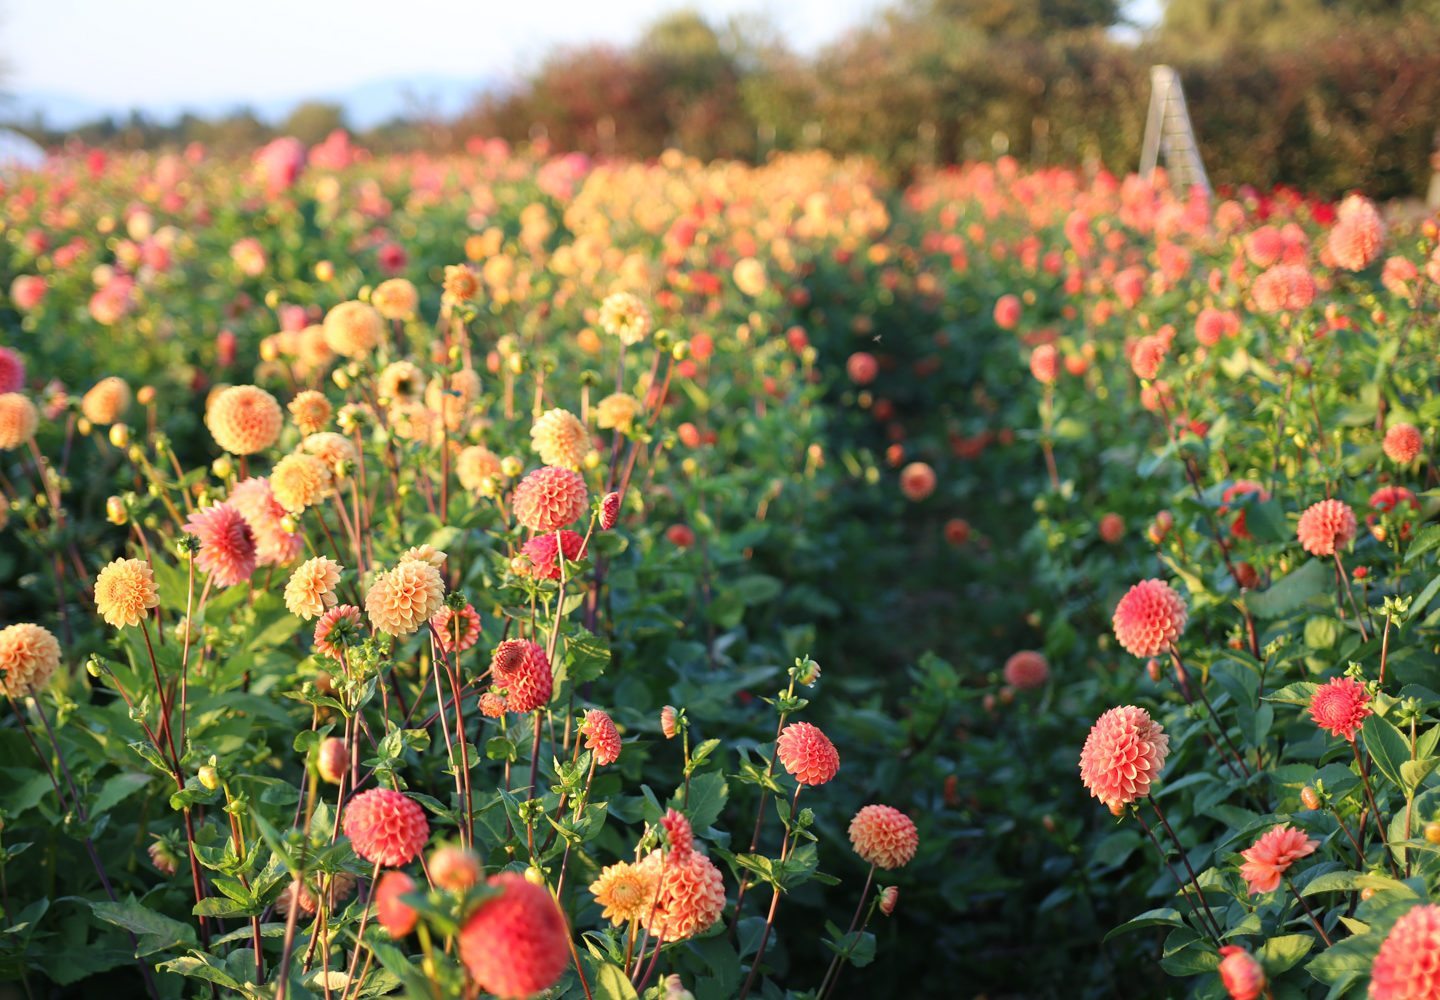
[[153, 53], [72, 58]]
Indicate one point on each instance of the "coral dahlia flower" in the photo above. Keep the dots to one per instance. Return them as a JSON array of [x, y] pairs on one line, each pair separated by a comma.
[[386, 827], [1405, 967], [1325, 527], [515, 944], [227, 545], [1123, 756], [1340, 706], [1271, 856], [1149, 618], [883, 836], [807, 754]]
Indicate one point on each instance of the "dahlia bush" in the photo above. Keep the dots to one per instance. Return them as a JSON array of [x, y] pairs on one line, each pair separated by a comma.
[[509, 575]]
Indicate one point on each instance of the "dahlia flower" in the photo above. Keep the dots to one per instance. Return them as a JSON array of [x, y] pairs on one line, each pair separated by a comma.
[[1123, 756], [1271, 856], [883, 836], [1149, 618], [386, 827]]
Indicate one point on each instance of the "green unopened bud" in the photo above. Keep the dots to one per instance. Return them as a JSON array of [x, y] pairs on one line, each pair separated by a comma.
[[209, 776]]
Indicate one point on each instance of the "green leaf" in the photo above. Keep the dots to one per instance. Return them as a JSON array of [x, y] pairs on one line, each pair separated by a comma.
[[1413, 772], [1350, 881], [1280, 954], [1387, 747], [708, 794], [1162, 917], [609, 982], [1426, 539], [1290, 592], [199, 966], [586, 655], [1298, 693], [154, 931]]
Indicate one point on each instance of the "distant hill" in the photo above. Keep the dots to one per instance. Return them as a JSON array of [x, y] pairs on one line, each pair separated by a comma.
[[366, 105]]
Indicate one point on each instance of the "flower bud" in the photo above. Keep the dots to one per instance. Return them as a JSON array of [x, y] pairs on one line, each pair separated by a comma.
[[1432, 832], [209, 777], [889, 896], [609, 511], [324, 271], [120, 435], [534, 876], [115, 511], [145, 395], [668, 721], [675, 990], [454, 868], [223, 467], [332, 759], [1240, 972], [162, 856], [511, 466], [1310, 797]]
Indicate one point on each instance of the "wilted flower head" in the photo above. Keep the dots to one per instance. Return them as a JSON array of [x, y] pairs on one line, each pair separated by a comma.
[[1272, 855], [1123, 756]]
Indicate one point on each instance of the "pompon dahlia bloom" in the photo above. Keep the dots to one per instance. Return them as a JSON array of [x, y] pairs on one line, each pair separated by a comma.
[[807, 754], [521, 670], [559, 438], [1026, 669], [1045, 364], [541, 551], [300, 481], [461, 283], [515, 944], [917, 481], [29, 655], [12, 371], [18, 420], [609, 511], [1241, 973], [625, 891], [106, 402], [477, 468], [862, 367], [601, 736], [386, 827], [392, 913], [1272, 855], [338, 628], [403, 599], [1123, 756], [883, 836], [1340, 706], [1359, 234], [353, 329], [625, 317], [332, 449], [1007, 312], [244, 419], [458, 630], [550, 498], [311, 588], [311, 411], [492, 705], [1283, 288], [1325, 527], [426, 554], [1403, 443], [1149, 618], [1147, 357], [1405, 967], [617, 411], [691, 896], [227, 545], [274, 545], [395, 299], [125, 592]]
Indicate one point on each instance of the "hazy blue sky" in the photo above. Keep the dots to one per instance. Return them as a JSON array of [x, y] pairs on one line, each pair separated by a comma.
[[157, 51]]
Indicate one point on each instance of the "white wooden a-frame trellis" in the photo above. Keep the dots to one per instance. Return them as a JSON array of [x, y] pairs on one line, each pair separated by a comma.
[[1168, 131]]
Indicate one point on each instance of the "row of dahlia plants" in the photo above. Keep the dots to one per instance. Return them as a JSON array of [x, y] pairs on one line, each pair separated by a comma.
[[357, 698]]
